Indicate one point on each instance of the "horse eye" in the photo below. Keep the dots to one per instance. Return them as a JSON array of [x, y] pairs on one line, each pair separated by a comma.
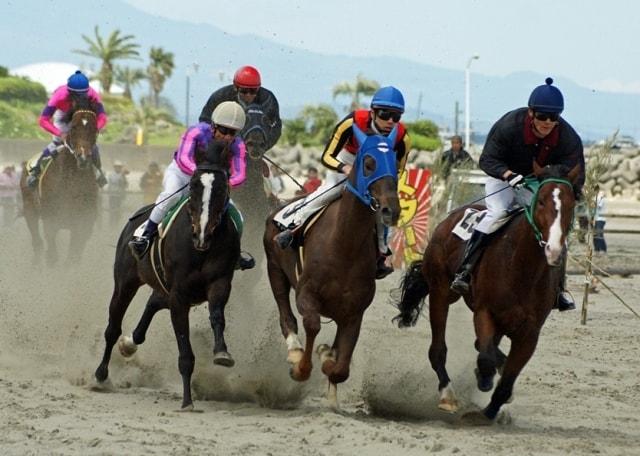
[[369, 166]]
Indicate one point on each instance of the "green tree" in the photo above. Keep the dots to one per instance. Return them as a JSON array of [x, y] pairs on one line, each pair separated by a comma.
[[355, 90], [159, 70], [116, 47], [4, 72], [319, 122], [129, 78], [423, 127]]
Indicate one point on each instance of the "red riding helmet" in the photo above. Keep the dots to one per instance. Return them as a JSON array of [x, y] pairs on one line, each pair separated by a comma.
[[247, 77]]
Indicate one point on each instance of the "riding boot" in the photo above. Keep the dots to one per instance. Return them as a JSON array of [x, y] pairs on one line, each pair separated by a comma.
[[473, 251], [245, 261], [97, 164], [139, 245], [34, 173], [564, 301], [284, 239], [382, 269]]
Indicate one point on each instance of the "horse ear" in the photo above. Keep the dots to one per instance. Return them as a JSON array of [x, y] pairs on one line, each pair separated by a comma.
[[392, 136], [537, 169], [574, 174], [359, 134]]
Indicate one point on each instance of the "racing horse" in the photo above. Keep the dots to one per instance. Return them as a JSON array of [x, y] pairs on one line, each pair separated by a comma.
[[67, 194], [513, 289], [198, 253], [338, 263]]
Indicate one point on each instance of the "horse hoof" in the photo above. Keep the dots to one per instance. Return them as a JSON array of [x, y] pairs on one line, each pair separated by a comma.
[[188, 408], [448, 406], [296, 374], [223, 359], [475, 418], [294, 356], [126, 346], [322, 349], [102, 387], [484, 383]]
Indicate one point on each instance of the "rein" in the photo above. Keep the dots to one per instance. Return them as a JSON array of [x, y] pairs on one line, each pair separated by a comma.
[[534, 187]]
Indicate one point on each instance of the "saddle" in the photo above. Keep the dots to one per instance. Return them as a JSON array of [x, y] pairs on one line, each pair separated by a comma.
[[464, 228]]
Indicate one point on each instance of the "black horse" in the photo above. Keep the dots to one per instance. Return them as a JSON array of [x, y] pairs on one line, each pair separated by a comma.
[[199, 254]]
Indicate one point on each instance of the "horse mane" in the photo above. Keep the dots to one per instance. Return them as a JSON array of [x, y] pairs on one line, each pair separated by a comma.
[[218, 153]]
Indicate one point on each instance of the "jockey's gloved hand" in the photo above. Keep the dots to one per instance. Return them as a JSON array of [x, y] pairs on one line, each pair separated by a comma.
[[515, 180]]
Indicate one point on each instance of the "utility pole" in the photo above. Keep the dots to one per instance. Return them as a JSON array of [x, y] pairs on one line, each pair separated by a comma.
[[419, 106], [455, 117]]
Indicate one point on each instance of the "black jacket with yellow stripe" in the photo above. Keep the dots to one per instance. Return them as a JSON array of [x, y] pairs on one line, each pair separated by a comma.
[[343, 138]]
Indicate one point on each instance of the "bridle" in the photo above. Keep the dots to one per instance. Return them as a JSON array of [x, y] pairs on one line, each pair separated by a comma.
[[529, 210]]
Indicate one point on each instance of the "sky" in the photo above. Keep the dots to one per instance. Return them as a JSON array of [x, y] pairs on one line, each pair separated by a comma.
[[593, 43]]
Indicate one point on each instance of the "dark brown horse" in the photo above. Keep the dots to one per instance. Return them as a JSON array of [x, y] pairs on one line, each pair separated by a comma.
[[67, 194], [339, 263], [199, 254], [513, 289]]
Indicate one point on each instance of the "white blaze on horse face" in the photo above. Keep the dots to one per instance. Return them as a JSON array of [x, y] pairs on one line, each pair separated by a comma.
[[206, 179], [85, 122], [553, 248]]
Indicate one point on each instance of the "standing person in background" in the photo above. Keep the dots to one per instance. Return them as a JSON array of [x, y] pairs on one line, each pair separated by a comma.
[[151, 183], [454, 157], [599, 243], [9, 186], [312, 183], [247, 90], [117, 189]]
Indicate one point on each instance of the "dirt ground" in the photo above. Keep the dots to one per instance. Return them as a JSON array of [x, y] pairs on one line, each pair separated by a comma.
[[578, 395]]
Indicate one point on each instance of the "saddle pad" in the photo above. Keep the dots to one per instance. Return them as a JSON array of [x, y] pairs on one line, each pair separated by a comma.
[[464, 228], [168, 219]]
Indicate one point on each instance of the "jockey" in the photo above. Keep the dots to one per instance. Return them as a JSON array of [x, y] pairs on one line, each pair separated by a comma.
[[247, 90], [226, 121], [515, 140], [52, 119], [387, 106]]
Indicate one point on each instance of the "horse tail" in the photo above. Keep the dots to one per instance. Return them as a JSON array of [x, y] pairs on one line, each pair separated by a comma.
[[413, 289]]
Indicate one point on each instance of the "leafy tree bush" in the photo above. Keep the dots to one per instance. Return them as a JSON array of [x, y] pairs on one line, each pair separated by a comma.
[[423, 127], [13, 90], [4, 72]]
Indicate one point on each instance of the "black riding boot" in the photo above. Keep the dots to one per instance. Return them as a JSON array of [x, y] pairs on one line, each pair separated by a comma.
[[472, 252], [382, 269], [139, 245], [245, 261], [564, 301]]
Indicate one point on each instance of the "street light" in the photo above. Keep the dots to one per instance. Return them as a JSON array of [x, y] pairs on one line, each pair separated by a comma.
[[191, 70], [467, 114]]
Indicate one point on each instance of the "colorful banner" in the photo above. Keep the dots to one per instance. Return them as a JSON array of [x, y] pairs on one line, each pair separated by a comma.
[[409, 239]]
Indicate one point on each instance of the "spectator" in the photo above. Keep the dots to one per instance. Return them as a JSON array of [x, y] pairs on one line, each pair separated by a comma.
[[117, 192], [151, 183], [9, 185], [455, 157], [312, 182], [274, 187], [599, 244]]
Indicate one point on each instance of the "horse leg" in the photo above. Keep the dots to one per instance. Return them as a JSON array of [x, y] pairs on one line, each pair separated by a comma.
[[281, 288], [438, 313], [311, 321], [218, 295], [50, 234], [128, 345], [186, 360], [33, 224], [123, 293], [487, 360], [78, 238], [337, 369]]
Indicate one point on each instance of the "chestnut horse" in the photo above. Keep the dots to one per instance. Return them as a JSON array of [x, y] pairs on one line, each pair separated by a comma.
[[199, 253], [67, 194], [338, 278], [513, 289]]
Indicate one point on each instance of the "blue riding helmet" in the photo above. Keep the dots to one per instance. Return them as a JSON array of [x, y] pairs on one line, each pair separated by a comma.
[[388, 97], [78, 82], [546, 98]]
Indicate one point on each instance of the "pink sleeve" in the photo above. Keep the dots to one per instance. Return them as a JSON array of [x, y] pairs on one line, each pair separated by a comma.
[[238, 163], [101, 120], [55, 102], [185, 156]]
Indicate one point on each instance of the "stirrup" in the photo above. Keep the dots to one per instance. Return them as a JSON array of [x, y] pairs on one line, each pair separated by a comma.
[[245, 261], [32, 181], [284, 239], [139, 246]]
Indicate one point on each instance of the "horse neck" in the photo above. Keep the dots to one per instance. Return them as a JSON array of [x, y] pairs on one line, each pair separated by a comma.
[[354, 221]]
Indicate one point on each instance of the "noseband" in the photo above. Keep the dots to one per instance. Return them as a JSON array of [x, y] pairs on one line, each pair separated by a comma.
[[529, 210]]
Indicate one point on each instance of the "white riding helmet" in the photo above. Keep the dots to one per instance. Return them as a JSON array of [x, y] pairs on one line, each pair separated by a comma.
[[229, 114]]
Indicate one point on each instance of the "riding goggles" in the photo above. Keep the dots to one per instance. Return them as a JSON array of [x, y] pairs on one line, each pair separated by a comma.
[[544, 116], [226, 130], [386, 115], [245, 91]]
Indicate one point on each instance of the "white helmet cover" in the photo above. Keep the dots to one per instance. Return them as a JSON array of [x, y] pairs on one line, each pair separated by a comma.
[[229, 114]]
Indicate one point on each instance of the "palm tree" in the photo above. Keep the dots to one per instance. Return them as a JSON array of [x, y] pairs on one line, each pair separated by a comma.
[[158, 71], [116, 47], [129, 78], [361, 86]]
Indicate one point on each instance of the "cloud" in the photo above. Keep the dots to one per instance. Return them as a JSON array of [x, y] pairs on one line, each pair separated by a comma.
[[615, 86]]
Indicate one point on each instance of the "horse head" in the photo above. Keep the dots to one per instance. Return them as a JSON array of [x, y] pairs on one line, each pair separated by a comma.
[[374, 177], [83, 130], [253, 133], [551, 209], [209, 190]]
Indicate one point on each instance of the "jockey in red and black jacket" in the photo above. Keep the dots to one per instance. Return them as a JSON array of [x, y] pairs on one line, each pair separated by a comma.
[[342, 138]]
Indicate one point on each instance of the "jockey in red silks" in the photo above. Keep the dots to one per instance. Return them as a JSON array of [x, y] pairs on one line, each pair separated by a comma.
[[54, 119], [226, 121]]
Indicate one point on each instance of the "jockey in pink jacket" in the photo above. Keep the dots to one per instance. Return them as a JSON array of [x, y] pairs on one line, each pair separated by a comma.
[[227, 120], [54, 119]]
